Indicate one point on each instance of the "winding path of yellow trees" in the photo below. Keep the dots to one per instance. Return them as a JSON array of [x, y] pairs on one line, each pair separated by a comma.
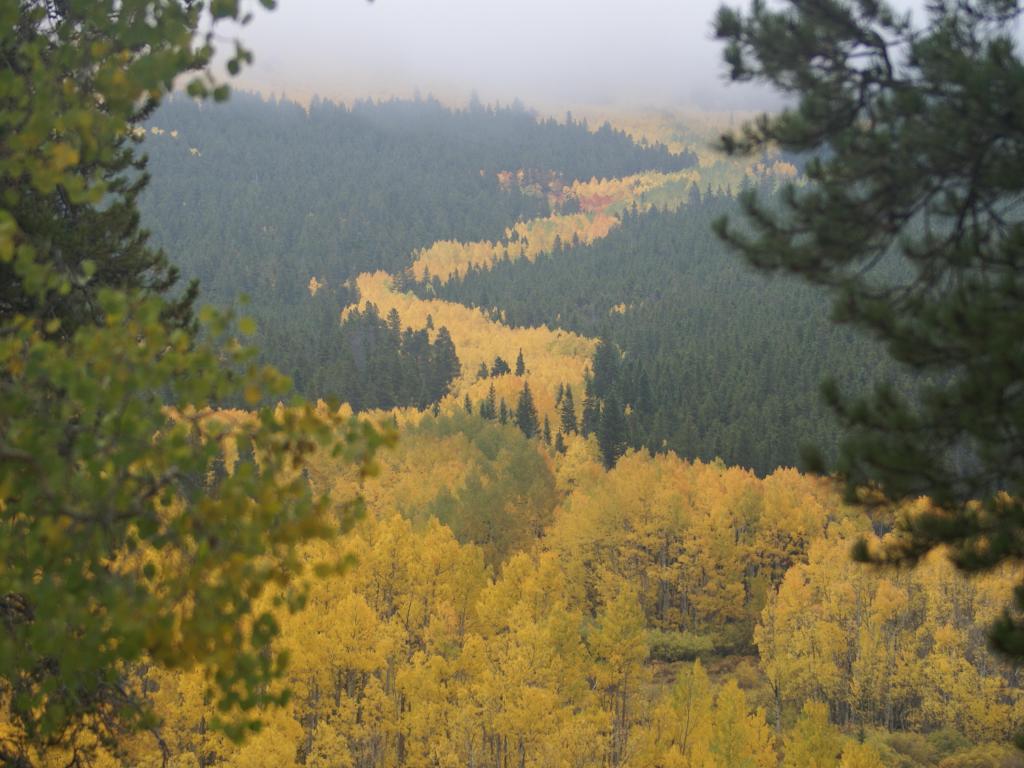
[[599, 201], [553, 356]]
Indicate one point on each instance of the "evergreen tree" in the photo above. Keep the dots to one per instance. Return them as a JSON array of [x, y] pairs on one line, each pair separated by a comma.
[[108, 239], [385, 359], [468, 405], [611, 433], [694, 197], [363, 363], [591, 407], [59, 221], [922, 250], [520, 364], [568, 412], [503, 412], [500, 367], [547, 431], [435, 152], [606, 367], [446, 366], [559, 394], [482, 372], [394, 322], [560, 443], [642, 398], [489, 406], [526, 412]]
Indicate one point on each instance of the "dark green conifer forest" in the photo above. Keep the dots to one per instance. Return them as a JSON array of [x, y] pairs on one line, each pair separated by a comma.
[[712, 359]]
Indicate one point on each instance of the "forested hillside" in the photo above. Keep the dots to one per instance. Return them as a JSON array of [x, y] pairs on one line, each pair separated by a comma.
[[710, 359], [532, 590], [259, 197], [289, 205]]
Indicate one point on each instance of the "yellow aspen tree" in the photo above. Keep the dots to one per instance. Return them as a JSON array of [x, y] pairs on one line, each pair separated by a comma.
[[336, 645], [275, 745], [739, 739], [785, 642], [181, 701], [619, 648], [580, 466], [883, 641], [684, 720], [858, 755], [794, 509], [329, 748], [534, 667], [716, 551], [424, 686], [812, 742]]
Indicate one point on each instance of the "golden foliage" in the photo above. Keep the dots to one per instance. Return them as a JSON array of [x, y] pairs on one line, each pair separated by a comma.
[[600, 201], [524, 240], [893, 648], [431, 652], [552, 357]]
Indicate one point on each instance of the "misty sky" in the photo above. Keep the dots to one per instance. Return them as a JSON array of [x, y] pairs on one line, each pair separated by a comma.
[[548, 52]]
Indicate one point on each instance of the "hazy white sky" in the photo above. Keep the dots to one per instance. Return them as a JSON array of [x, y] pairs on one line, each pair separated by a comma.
[[636, 52]]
